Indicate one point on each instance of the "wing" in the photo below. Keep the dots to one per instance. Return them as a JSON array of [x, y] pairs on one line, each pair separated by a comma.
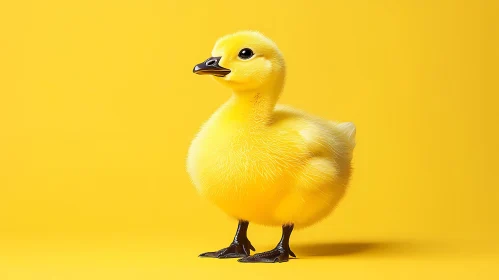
[[321, 138]]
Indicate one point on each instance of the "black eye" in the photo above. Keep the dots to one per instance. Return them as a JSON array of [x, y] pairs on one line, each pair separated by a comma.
[[245, 53]]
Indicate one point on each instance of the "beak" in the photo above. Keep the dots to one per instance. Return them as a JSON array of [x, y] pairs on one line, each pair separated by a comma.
[[211, 67]]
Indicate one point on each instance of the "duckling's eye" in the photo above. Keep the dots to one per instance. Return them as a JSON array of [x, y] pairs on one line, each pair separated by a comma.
[[245, 53]]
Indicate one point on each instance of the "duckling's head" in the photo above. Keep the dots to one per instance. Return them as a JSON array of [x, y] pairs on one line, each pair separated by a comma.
[[245, 61]]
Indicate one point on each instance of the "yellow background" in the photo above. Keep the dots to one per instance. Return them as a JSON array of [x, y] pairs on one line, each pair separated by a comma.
[[98, 104]]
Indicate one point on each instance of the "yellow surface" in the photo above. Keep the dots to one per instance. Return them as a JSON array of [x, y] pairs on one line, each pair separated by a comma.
[[98, 104]]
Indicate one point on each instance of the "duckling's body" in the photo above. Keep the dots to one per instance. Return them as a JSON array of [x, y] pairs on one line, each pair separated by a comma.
[[261, 162], [287, 167]]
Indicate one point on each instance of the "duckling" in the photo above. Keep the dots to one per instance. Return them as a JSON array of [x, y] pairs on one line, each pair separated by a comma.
[[263, 162]]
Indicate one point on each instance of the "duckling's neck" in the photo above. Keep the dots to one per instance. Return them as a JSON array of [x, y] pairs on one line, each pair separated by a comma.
[[251, 108]]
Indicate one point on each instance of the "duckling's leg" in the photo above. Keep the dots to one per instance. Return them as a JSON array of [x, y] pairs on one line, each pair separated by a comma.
[[240, 247], [279, 254]]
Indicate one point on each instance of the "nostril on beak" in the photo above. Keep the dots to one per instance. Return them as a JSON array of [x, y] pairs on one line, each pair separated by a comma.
[[211, 62]]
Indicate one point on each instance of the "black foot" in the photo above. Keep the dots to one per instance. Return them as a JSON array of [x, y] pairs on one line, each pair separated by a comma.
[[235, 250], [278, 254]]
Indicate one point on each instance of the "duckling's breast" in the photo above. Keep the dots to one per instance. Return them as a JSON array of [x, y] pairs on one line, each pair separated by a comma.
[[244, 172]]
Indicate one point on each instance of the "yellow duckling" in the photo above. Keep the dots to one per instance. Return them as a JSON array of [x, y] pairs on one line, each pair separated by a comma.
[[265, 163]]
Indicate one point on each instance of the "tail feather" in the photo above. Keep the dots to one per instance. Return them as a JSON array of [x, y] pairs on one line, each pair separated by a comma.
[[349, 129]]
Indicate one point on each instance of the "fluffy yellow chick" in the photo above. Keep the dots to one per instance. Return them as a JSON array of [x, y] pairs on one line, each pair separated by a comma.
[[265, 163]]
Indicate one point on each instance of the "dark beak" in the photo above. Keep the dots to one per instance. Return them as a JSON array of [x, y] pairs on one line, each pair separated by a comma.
[[211, 67]]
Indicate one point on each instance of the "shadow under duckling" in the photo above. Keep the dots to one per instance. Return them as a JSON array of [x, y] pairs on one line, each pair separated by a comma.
[[261, 162]]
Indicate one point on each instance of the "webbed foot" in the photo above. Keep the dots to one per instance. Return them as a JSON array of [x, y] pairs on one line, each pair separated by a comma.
[[278, 254], [235, 250], [239, 248]]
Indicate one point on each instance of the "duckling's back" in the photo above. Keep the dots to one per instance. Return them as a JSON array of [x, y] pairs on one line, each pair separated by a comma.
[[319, 134]]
